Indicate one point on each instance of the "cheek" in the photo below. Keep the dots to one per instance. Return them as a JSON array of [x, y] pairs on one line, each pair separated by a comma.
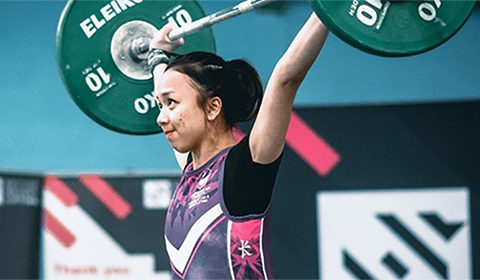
[[190, 119], [181, 120]]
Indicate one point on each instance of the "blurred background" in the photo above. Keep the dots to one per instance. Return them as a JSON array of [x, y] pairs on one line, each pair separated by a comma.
[[397, 137]]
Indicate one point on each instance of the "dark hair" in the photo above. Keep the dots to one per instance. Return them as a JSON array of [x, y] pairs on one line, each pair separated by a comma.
[[235, 82]]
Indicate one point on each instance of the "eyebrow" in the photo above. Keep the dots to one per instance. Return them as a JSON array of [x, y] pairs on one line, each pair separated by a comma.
[[163, 94]]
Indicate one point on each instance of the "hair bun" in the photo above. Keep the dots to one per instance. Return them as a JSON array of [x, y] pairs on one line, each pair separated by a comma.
[[244, 90]]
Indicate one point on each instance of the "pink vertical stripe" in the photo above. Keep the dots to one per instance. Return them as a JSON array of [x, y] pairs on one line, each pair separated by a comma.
[[238, 134], [315, 151], [57, 229], [114, 202], [61, 190]]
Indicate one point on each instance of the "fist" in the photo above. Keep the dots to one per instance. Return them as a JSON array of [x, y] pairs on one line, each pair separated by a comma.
[[161, 41]]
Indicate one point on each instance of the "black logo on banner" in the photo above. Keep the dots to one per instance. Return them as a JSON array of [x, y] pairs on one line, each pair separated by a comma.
[[411, 240]]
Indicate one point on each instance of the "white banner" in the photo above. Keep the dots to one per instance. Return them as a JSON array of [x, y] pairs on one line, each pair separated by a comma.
[[76, 246], [394, 234]]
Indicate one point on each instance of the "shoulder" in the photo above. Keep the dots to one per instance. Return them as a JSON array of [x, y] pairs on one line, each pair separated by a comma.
[[240, 156], [241, 151]]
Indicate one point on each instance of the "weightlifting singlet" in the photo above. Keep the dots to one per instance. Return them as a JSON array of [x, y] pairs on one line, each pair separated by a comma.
[[203, 240]]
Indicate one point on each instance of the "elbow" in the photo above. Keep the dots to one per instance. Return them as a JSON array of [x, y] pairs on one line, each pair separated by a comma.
[[287, 76], [292, 82], [289, 84], [267, 155]]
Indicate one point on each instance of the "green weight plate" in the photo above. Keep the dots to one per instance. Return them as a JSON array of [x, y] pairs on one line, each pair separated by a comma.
[[393, 28], [102, 74]]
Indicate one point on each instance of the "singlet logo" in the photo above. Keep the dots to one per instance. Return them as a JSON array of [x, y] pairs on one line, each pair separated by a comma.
[[244, 248], [199, 197], [204, 178], [201, 194]]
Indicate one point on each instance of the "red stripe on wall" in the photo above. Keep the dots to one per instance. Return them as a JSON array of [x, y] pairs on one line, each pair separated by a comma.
[[57, 229], [61, 190], [310, 146], [102, 190]]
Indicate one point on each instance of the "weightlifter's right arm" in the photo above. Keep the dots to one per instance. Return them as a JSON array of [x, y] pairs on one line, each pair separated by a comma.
[[161, 41]]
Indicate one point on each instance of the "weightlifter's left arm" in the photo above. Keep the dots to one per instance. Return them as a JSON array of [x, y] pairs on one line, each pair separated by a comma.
[[267, 137]]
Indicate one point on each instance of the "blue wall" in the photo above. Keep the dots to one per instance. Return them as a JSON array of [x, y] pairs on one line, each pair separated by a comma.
[[42, 129]]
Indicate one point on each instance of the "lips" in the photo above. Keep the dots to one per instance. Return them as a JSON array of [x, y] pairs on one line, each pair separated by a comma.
[[168, 132]]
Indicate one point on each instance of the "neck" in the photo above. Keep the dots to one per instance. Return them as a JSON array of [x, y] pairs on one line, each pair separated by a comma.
[[211, 146]]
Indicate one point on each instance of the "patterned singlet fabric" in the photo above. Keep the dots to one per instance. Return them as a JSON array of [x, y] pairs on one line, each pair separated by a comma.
[[203, 240]]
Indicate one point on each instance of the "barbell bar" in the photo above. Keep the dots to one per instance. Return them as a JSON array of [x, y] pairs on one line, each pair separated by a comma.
[[243, 7], [139, 48]]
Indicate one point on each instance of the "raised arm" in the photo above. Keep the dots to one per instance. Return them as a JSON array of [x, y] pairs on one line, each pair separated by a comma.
[[161, 41], [267, 137]]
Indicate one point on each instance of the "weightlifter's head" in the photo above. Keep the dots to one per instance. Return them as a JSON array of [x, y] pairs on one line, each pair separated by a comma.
[[200, 91]]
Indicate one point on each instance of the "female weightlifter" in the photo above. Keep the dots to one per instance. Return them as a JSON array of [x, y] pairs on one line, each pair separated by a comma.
[[217, 222]]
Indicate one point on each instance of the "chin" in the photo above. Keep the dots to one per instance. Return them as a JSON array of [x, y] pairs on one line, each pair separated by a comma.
[[180, 149]]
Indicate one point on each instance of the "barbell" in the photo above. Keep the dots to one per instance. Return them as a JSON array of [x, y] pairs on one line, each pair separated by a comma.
[[101, 45]]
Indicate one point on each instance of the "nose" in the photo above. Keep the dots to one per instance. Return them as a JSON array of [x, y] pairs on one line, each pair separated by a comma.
[[162, 118]]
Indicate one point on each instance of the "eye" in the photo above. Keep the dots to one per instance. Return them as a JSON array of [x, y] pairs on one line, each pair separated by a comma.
[[170, 102]]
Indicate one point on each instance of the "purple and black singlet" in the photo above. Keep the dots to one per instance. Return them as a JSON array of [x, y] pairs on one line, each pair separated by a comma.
[[217, 222]]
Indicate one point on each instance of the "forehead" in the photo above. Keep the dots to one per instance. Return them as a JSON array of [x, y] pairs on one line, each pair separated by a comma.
[[173, 82]]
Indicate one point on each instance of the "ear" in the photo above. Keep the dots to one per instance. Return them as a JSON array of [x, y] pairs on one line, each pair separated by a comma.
[[214, 107]]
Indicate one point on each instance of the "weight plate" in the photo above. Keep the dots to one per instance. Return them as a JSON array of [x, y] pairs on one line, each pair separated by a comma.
[[119, 97], [393, 28]]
